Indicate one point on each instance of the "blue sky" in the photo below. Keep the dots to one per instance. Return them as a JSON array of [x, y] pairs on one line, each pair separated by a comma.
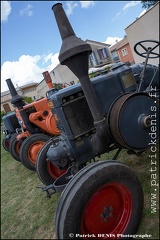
[[30, 40]]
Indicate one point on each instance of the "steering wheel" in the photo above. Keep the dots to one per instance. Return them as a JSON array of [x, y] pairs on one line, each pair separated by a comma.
[[147, 50]]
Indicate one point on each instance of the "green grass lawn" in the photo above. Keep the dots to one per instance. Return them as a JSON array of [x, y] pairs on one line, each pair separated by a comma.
[[26, 213]]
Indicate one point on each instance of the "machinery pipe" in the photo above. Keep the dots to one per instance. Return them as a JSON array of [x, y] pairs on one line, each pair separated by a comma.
[[48, 79], [18, 102], [74, 54]]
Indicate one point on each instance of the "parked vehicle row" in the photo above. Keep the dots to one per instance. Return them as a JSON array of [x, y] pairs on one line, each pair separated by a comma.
[[60, 135]]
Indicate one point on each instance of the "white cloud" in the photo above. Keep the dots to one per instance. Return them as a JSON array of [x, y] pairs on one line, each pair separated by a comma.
[[143, 12], [54, 62], [27, 69], [70, 6], [47, 57], [5, 10], [126, 7], [21, 72], [118, 14], [26, 11], [112, 40], [83, 4], [131, 4], [87, 4]]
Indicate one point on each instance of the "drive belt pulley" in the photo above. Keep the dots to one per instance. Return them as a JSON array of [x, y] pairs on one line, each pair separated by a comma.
[[133, 119]]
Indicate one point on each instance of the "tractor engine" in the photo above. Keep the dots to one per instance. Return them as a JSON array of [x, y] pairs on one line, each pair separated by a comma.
[[108, 112], [11, 123], [35, 117]]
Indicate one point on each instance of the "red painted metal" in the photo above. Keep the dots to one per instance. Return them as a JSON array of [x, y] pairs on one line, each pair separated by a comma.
[[54, 171], [117, 199], [7, 143]]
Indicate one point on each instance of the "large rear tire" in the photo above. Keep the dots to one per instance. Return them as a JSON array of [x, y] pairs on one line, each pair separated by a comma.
[[46, 171], [30, 148], [6, 143], [103, 200], [14, 147]]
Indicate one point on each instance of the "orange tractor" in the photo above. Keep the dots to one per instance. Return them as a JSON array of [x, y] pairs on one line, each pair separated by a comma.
[[37, 126]]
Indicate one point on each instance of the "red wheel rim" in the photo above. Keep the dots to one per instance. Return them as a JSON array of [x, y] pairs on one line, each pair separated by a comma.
[[33, 151], [53, 171], [7, 143], [17, 147], [108, 211]]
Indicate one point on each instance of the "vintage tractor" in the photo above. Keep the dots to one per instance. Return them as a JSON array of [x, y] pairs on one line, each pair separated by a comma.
[[37, 126], [103, 199], [136, 73], [11, 125]]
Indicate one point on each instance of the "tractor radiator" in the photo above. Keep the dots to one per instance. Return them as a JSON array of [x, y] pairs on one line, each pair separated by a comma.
[[11, 122], [78, 114]]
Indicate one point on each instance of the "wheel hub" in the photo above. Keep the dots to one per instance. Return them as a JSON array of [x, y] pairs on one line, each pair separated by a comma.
[[33, 151], [145, 121], [53, 171], [133, 115], [107, 213], [108, 210]]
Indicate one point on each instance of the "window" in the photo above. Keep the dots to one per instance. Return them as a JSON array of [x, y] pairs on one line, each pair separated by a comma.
[[124, 52], [93, 59], [6, 107], [103, 54]]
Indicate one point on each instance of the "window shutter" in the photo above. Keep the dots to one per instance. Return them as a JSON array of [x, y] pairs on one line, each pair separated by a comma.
[[95, 57], [106, 52], [99, 53]]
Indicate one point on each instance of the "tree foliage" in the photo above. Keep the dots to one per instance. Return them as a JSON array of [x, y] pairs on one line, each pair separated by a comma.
[[27, 99], [2, 114], [58, 85], [148, 4]]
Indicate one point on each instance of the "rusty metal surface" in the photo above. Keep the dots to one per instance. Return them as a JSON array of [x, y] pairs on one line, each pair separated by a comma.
[[114, 119]]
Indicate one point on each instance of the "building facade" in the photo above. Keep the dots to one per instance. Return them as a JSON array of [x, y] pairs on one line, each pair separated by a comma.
[[28, 90], [121, 52], [6, 104], [100, 55], [145, 27]]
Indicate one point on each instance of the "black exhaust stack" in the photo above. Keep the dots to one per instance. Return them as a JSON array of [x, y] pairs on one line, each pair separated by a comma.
[[74, 54], [18, 102]]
